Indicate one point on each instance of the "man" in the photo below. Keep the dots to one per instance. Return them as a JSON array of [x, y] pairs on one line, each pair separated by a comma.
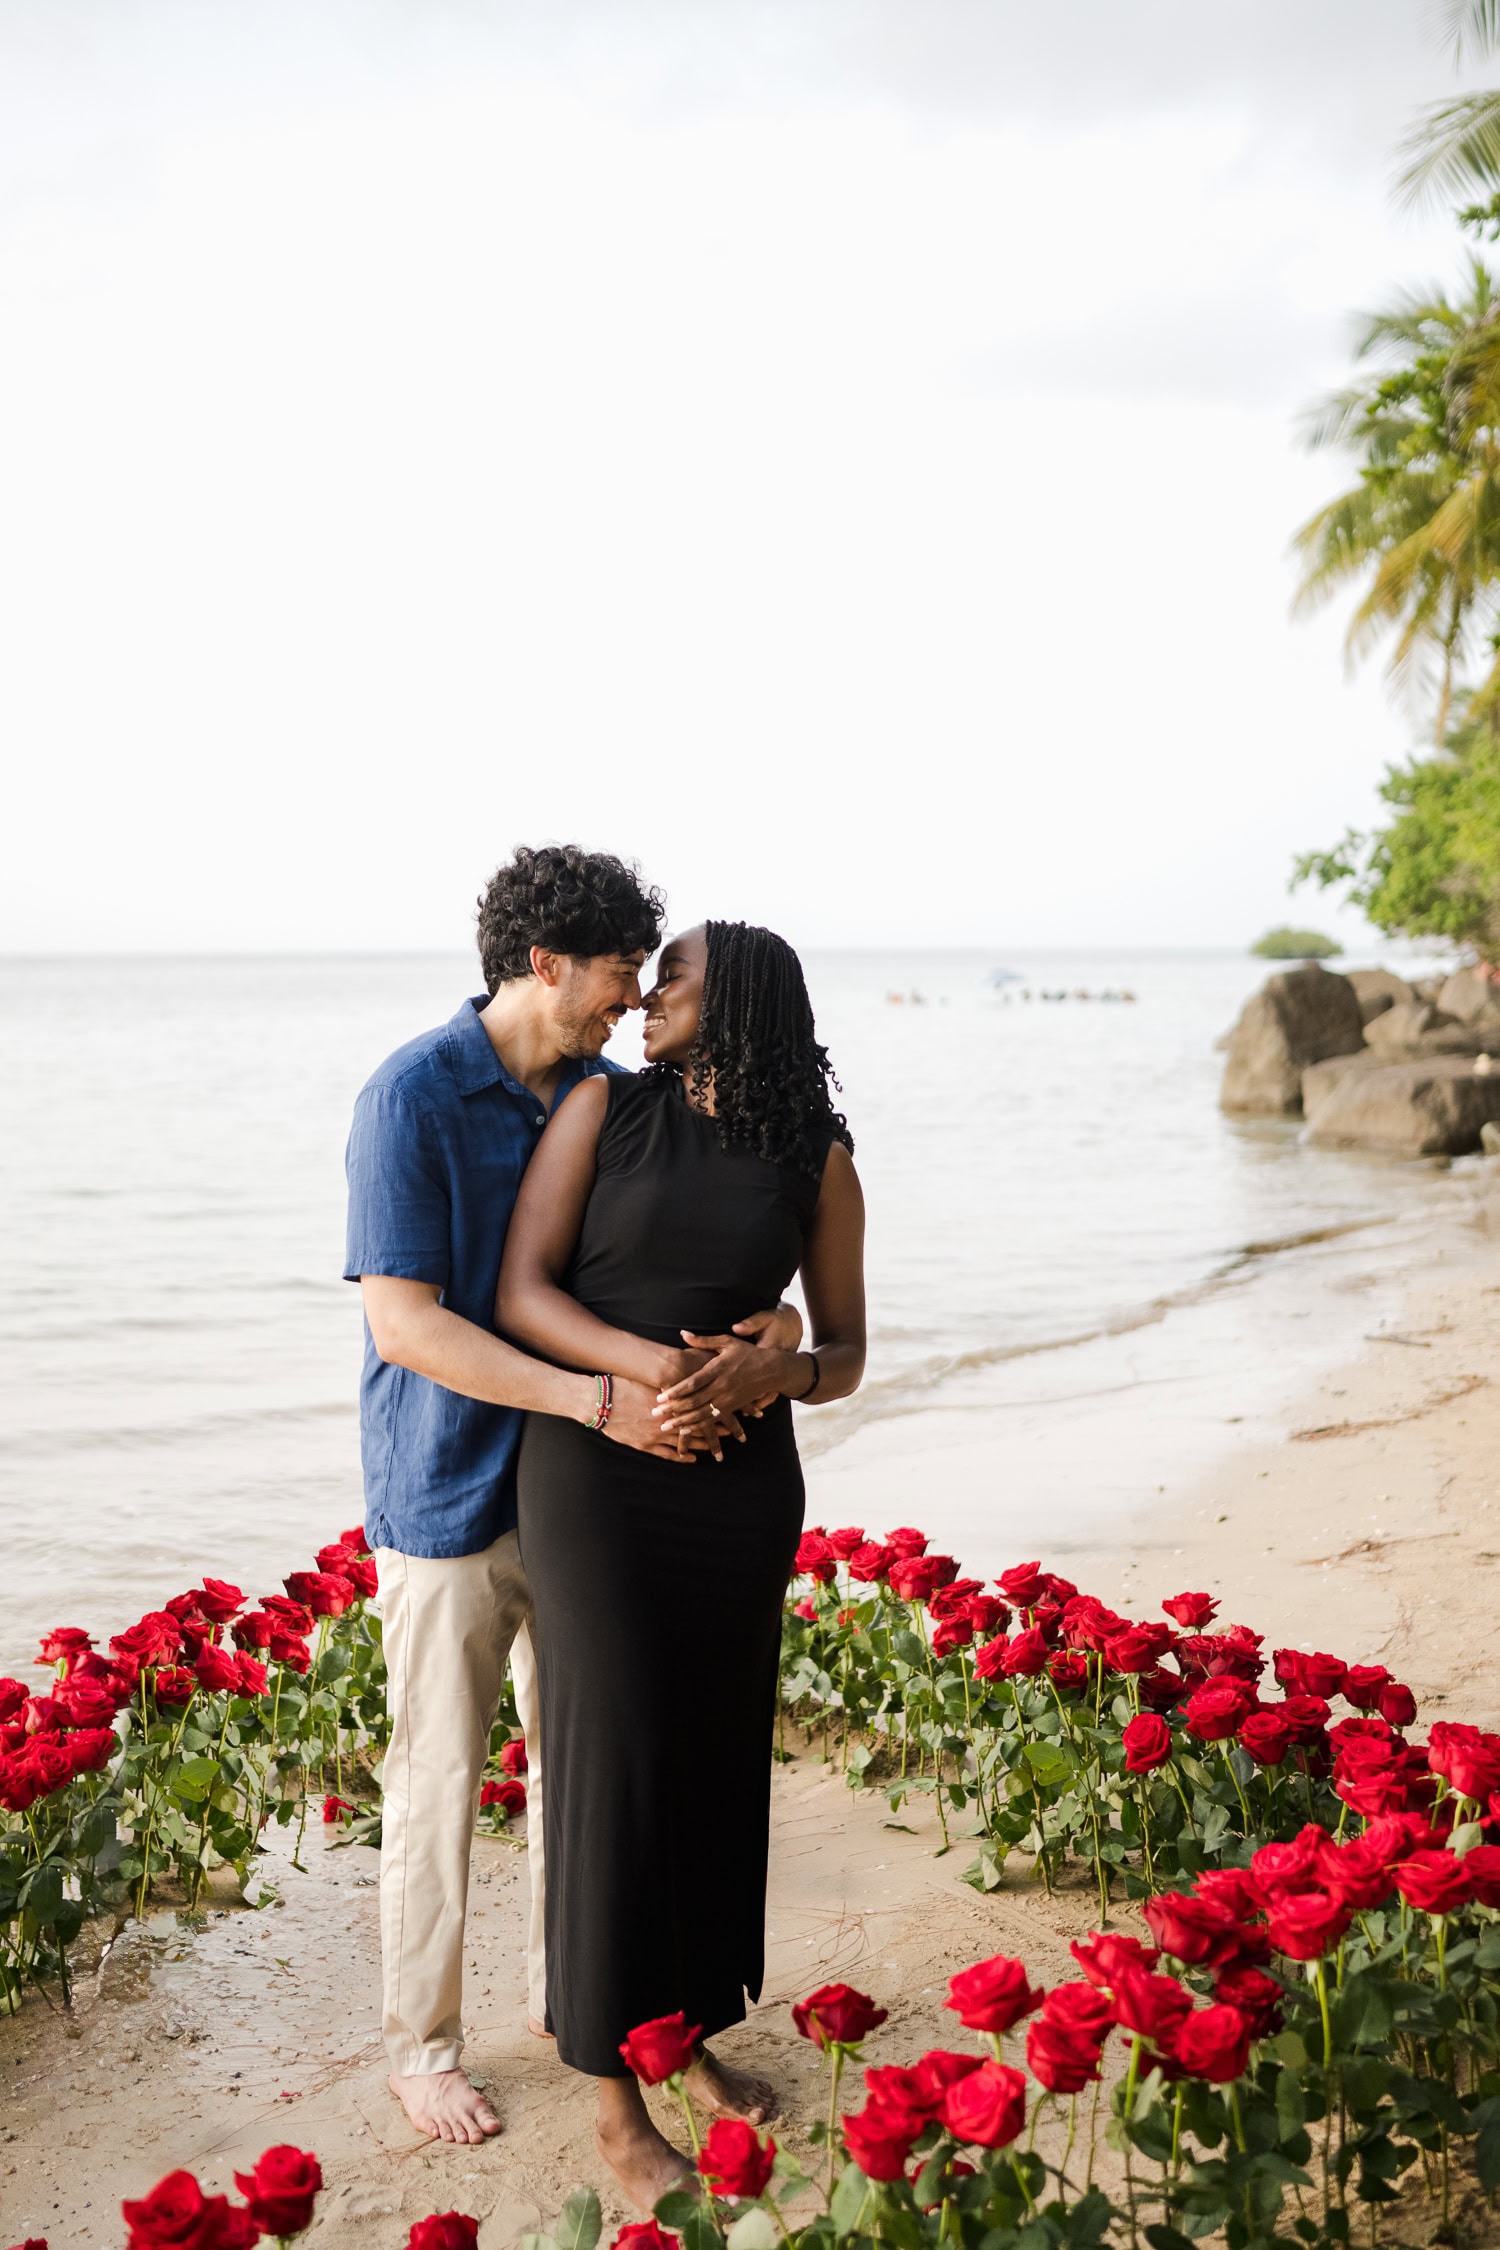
[[442, 1134]]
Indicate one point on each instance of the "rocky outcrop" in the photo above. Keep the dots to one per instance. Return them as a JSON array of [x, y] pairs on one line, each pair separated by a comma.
[[1472, 999], [1416, 1028], [1319, 1079], [1300, 1017], [1436, 1107], [1377, 990]]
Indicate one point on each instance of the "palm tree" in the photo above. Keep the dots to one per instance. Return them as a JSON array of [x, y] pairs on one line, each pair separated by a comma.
[[1455, 146], [1423, 521]]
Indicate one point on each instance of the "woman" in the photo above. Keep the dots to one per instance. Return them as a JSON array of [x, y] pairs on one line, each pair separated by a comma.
[[656, 1212]]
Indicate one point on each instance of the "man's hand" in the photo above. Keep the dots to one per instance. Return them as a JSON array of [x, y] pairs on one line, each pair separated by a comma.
[[633, 1422], [742, 1375], [778, 1331]]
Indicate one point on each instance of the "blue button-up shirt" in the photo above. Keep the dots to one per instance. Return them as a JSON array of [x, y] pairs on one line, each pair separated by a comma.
[[442, 1134]]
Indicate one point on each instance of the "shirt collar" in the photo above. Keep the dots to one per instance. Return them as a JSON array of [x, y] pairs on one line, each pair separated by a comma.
[[476, 1064]]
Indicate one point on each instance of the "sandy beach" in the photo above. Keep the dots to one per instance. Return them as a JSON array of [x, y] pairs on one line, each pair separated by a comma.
[[1362, 1523]]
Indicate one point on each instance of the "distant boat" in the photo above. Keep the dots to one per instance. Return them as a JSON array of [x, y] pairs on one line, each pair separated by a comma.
[[1003, 976]]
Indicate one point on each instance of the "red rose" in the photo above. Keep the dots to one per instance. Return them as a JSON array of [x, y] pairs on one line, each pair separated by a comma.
[[1363, 1683], [869, 1563], [733, 2159], [1086, 1623], [658, 2050], [1214, 2043], [44, 1714], [355, 1539], [1265, 1737], [837, 2016], [1192, 1611], [152, 1640], [905, 1541], [1139, 1648], [953, 1599], [64, 1645], [846, 1542], [993, 1995], [1304, 1925], [1059, 2059], [175, 1685], [289, 1649], [320, 1591], [509, 1796], [936, 2072], [914, 1578], [1355, 1874], [452, 2230], [950, 1633], [1307, 1716], [216, 1671], [986, 1614], [1398, 1704], [252, 1677], [349, 1562], [290, 1615], [1148, 1743], [1214, 1712], [176, 2215], [282, 2189], [986, 2108], [1025, 1657], [806, 1609], [1151, 2007], [513, 1756], [1161, 1689], [1232, 1890], [91, 1748], [18, 1784], [1194, 1930], [880, 2141], [253, 1631], [14, 1697], [1257, 1997], [900, 2095], [334, 1809], [1024, 1585], [1466, 1757], [1482, 1868], [51, 1762], [219, 1601], [1102, 1958], [815, 1558], [1322, 1675], [1436, 1882], [88, 1703], [1068, 1669], [641, 2234]]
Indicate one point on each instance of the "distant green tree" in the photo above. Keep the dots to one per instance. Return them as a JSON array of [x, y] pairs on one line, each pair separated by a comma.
[[1286, 944], [1434, 869]]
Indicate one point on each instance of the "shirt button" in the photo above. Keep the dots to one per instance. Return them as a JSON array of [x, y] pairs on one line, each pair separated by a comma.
[[541, 1121]]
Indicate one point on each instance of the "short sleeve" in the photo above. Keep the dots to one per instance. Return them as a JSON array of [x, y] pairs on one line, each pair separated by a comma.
[[400, 1202]]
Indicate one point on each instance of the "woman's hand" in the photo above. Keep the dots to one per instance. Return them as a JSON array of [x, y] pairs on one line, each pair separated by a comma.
[[732, 1376]]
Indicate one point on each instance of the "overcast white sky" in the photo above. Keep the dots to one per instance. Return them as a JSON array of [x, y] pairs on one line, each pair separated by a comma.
[[840, 451]]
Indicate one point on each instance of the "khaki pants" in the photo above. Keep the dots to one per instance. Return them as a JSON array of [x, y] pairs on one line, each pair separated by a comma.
[[448, 1627]]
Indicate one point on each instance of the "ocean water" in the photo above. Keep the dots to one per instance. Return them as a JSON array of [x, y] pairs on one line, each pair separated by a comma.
[[178, 1353]]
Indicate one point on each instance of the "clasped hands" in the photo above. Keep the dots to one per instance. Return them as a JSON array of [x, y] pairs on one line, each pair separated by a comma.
[[715, 1380]]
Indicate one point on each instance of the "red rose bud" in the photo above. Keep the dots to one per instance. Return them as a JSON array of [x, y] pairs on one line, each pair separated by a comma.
[[288, 1649], [63, 1645], [253, 1631], [815, 1558], [355, 1539], [1265, 1737], [1214, 1712], [334, 1809], [847, 1542], [1139, 1648], [880, 2141], [288, 1615], [1398, 1705], [807, 1609], [452, 2230], [513, 1756], [508, 1797], [905, 1541], [1214, 2043], [1434, 1882], [1161, 1689], [19, 1787], [219, 1601], [14, 1697], [916, 1578], [986, 1614], [1194, 1930], [733, 2159], [215, 1670], [993, 1996], [1305, 1925], [837, 2016], [282, 2189], [91, 1748], [1026, 1656], [1307, 1716], [953, 1599], [176, 2215], [1192, 1611], [321, 1592], [1363, 1683], [1291, 1866], [658, 2050], [1149, 2007], [153, 1640], [870, 1563], [1103, 1957], [1482, 1869], [1060, 2060], [253, 1677], [645, 2234], [1024, 1585], [1467, 1758], [950, 1633], [1148, 1743], [1257, 1997], [986, 2108], [175, 1685], [1322, 1675], [1068, 1670], [936, 2072]]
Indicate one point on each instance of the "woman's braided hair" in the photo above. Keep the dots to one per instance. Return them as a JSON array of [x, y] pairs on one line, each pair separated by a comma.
[[756, 1038]]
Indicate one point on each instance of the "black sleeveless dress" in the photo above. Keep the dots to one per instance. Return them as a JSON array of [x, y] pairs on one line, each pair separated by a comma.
[[658, 1593]]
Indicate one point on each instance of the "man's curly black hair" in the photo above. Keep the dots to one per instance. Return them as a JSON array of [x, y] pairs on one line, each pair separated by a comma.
[[756, 1036], [566, 900]]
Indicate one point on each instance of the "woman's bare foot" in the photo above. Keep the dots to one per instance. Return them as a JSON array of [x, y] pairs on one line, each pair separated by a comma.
[[645, 2165], [537, 2029], [445, 2104], [726, 2092]]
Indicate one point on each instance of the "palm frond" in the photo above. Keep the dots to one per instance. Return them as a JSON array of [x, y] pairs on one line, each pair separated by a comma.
[[1454, 146], [1472, 28]]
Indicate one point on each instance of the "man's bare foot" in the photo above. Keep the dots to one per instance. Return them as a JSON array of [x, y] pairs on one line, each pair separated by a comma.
[[445, 2104], [726, 2092], [538, 2029], [645, 2165]]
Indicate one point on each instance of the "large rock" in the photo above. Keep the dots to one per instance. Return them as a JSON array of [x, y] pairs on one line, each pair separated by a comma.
[[1433, 1108], [1319, 1079], [1472, 999], [1415, 1028], [1376, 990], [1298, 1017]]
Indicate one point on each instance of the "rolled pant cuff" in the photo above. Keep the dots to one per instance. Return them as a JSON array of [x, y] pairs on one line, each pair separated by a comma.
[[408, 2060]]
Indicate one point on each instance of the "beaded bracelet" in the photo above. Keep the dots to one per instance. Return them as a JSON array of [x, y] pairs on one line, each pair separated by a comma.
[[802, 1396], [604, 1399]]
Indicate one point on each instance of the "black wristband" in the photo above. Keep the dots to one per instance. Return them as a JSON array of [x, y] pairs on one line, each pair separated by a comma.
[[802, 1397]]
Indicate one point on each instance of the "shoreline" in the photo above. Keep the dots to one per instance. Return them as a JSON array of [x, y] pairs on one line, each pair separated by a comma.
[[203, 2045]]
